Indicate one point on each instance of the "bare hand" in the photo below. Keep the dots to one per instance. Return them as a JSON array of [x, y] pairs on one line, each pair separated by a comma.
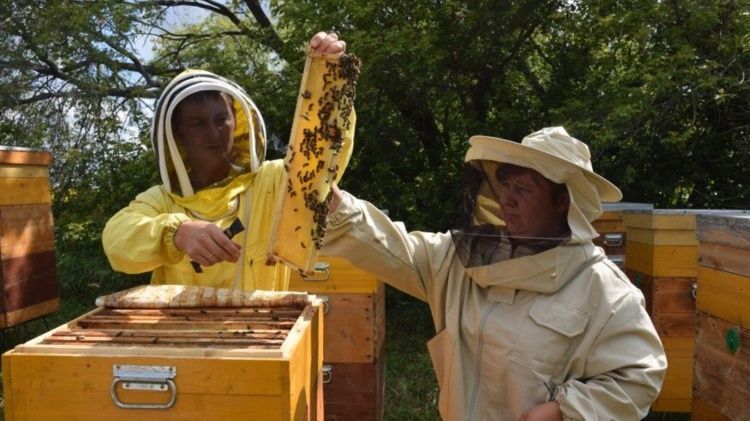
[[204, 243], [328, 43], [336, 199], [549, 411]]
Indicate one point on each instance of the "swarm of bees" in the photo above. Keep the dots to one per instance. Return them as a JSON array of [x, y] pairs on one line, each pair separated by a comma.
[[324, 115]]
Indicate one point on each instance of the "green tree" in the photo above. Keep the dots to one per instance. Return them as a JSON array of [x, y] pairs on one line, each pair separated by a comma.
[[659, 90]]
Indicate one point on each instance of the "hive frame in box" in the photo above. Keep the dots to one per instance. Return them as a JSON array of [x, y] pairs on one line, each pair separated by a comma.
[[322, 118]]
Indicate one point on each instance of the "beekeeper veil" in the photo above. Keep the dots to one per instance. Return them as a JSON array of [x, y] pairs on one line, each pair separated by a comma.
[[479, 233], [249, 147]]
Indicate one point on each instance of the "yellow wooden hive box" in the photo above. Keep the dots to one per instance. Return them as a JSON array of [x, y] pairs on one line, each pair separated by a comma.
[[28, 269], [335, 275], [354, 308], [662, 242], [172, 364], [611, 228], [354, 337], [721, 368], [662, 260]]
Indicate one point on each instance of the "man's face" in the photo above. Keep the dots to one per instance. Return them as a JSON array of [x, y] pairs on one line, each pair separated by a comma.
[[205, 128], [529, 207]]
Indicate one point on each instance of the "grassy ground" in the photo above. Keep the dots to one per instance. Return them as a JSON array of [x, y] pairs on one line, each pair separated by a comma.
[[410, 381]]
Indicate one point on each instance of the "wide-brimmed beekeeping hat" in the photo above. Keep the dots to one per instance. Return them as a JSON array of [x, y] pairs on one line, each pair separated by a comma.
[[562, 159]]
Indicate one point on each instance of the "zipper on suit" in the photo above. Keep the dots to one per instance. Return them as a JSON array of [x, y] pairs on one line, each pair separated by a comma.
[[478, 362]]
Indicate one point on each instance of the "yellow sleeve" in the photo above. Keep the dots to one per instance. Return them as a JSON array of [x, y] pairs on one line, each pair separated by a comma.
[[140, 237]]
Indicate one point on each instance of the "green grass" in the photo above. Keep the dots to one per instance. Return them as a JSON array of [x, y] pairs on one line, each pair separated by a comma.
[[410, 385]]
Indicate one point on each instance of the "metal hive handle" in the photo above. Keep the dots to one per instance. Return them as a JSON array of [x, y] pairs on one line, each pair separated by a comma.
[[144, 377], [321, 273], [169, 384]]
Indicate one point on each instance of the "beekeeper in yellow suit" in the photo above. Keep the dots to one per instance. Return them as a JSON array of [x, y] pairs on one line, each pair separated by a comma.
[[210, 142]]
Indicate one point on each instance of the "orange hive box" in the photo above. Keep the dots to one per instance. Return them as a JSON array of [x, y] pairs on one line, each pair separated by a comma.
[[353, 355], [205, 363], [722, 355], [28, 271]]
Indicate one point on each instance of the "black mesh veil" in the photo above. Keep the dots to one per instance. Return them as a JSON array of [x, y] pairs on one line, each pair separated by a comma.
[[479, 226], [479, 234]]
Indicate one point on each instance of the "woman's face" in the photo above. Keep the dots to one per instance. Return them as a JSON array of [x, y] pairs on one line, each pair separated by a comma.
[[531, 208], [205, 128]]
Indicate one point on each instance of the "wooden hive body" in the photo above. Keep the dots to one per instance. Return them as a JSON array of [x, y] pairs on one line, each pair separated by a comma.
[[354, 338], [228, 364], [662, 260], [28, 272], [612, 233], [722, 355]]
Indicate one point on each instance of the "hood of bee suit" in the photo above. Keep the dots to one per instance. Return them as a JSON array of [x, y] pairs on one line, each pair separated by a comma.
[[249, 147], [561, 159]]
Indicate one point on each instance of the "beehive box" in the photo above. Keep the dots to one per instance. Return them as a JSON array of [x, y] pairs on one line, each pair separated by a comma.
[[661, 258], [28, 273], [172, 364], [612, 233], [722, 355], [354, 336]]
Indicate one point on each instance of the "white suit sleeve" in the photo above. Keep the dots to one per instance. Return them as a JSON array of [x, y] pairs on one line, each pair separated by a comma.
[[364, 235], [624, 369]]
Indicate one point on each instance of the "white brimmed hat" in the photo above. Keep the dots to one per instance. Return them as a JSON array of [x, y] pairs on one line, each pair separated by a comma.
[[560, 158]]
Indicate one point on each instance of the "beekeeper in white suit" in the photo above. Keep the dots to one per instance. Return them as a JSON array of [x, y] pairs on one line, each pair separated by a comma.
[[533, 321]]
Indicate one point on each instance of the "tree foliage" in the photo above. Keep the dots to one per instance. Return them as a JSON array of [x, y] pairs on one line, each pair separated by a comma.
[[656, 88]]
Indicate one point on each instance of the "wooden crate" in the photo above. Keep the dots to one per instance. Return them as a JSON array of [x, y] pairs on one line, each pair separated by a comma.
[[613, 236], [28, 271], [722, 355], [172, 364], [353, 340]]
